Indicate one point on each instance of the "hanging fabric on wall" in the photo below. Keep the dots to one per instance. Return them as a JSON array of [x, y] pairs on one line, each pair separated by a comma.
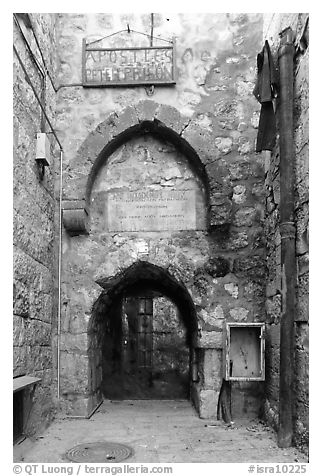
[[265, 91]]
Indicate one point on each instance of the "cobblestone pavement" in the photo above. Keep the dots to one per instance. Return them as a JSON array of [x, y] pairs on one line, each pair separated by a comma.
[[159, 431]]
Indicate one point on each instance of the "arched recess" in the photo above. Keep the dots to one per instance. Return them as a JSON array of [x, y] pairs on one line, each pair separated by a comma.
[[140, 275], [161, 121], [158, 130]]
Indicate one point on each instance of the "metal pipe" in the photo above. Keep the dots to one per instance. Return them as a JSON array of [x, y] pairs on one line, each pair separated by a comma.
[[287, 231], [59, 273], [152, 27]]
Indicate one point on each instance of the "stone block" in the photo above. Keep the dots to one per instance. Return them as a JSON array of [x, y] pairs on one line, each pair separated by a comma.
[[127, 119], [273, 334], [302, 314], [224, 144], [105, 21], [74, 343], [32, 287], [237, 240], [148, 110], [239, 314], [217, 266], [34, 233], [73, 372], [302, 191], [211, 320], [220, 215], [239, 195], [254, 291], [274, 307], [210, 340], [20, 298], [20, 360], [202, 141], [250, 266], [75, 217], [41, 306], [207, 404], [37, 333], [244, 146], [171, 117], [75, 405], [302, 231], [18, 330], [258, 190], [39, 357], [232, 289], [244, 216], [240, 170], [302, 336], [212, 368], [76, 322], [303, 264]]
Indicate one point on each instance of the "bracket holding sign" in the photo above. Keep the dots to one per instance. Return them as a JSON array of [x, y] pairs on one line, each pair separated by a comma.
[[103, 67]]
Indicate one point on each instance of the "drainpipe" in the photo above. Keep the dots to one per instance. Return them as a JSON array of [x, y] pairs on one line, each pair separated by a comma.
[[287, 231], [59, 271]]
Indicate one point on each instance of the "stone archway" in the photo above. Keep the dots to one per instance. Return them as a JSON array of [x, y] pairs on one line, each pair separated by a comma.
[[141, 278], [163, 122], [107, 258]]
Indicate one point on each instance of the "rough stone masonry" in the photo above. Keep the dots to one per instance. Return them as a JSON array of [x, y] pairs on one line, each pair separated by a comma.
[[196, 136]]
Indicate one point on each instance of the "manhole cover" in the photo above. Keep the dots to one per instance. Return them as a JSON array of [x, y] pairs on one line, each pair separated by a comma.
[[99, 452]]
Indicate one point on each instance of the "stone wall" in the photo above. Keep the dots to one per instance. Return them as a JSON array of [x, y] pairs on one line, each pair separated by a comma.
[[201, 130], [169, 343], [274, 24], [198, 134], [33, 224]]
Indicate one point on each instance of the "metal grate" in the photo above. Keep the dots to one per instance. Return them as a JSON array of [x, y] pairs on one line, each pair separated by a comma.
[[99, 452]]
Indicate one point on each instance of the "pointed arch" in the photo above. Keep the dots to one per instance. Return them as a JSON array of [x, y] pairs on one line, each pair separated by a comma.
[[145, 274], [147, 117]]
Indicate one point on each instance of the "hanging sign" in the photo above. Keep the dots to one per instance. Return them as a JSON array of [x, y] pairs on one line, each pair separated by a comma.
[[128, 66]]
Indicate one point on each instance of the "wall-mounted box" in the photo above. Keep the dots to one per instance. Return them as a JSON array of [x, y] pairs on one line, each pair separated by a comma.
[[244, 351], [43, 149]]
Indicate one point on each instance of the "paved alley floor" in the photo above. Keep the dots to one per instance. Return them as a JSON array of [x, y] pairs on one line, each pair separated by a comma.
[[159, 431]]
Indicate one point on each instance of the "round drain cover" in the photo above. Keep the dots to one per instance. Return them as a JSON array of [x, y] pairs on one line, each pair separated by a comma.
[[99, 452]]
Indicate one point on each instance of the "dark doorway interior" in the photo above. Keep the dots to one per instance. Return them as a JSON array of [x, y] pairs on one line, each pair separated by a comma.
[[145, 354], [17, 415]]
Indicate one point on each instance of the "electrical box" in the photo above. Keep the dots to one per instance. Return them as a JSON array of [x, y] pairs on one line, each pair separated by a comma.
[[244, 351], [43, 149]]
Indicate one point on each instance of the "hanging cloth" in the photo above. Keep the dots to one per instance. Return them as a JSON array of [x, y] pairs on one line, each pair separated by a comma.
[[265, 92]]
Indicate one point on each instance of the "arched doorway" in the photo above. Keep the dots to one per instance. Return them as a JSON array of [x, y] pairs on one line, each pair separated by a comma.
[[142, 333]]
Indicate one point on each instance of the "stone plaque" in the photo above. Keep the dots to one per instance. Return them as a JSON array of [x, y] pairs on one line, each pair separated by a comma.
[[151, 210]]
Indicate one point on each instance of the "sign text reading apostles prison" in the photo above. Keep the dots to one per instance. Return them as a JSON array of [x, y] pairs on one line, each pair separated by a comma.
[[128, 66]]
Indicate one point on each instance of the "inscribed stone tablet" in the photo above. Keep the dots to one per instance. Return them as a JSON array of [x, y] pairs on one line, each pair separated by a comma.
[[151, 210]]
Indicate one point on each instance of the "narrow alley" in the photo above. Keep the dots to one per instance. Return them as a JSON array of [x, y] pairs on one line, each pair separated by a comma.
[[158, 432]]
